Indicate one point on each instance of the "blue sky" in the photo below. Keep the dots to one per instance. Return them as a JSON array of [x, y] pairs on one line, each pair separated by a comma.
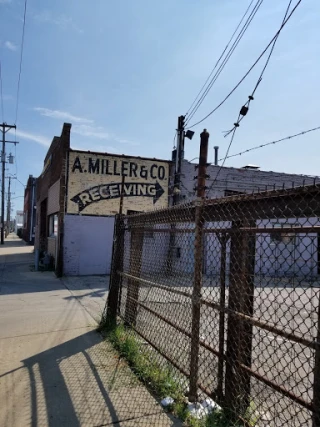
[[123, 71]]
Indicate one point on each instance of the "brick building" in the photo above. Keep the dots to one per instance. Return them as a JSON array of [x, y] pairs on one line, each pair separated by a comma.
[[29, 211], [78, 195]]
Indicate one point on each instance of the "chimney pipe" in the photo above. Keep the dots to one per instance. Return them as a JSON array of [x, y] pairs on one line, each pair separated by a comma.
[[216, 149]]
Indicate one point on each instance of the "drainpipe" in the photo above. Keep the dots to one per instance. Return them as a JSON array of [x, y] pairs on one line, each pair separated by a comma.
[[32, 211]]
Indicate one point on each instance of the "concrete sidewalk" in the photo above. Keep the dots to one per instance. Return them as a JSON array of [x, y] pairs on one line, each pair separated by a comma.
[[55, 370]]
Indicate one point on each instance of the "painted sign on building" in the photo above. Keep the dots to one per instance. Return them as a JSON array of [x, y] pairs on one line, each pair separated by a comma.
[[96, 182]]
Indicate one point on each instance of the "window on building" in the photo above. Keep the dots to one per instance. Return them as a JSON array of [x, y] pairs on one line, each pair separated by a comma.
[[53, 225], [281, 236], [232, 193]]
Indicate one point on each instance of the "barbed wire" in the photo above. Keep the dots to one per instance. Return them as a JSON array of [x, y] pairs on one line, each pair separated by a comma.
[[271, 143]]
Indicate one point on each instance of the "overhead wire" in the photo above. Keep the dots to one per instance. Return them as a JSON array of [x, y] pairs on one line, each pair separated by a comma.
[[21, 57], [224, 160], [216, 64], [1, 93], [253, 148], [250, 69], [245, 108], [241, 116], [225, 60], [271, 143]]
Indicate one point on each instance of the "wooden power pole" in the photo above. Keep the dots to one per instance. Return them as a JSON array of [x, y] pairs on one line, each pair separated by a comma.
[[5, 129]]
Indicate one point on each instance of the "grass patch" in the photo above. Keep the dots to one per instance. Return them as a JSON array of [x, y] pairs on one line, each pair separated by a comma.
[[161, 379]]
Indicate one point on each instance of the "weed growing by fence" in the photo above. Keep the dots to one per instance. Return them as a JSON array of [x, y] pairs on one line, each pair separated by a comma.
[[161, 380]]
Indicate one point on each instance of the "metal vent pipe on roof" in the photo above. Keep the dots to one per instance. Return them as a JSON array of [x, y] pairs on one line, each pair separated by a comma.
[[216, 151]]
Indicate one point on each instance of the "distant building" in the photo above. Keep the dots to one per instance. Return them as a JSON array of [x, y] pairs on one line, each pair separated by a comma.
[[29, 211], [302, 253], [78, 195], [229, 181], [18, 221]]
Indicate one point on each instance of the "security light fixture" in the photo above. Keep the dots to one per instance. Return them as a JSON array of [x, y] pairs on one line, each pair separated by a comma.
[[189, 134]]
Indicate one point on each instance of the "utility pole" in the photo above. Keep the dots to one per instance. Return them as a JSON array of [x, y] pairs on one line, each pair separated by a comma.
[[9, 205], [5, 129], [179, 157]]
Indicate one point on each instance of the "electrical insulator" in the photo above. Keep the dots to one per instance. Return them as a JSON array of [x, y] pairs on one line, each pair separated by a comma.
[[244, 110]]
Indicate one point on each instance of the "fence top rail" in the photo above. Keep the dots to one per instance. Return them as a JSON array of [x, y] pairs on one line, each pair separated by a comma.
[[301, 201]]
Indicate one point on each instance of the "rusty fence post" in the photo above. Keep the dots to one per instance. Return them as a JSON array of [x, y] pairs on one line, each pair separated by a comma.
[[136, 250], [198, 260], [240, 332], [116, 267], [316, 377], [223, 239]]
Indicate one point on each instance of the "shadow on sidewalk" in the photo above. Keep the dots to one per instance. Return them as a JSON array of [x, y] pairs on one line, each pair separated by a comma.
[[13, 241], [83, 382]]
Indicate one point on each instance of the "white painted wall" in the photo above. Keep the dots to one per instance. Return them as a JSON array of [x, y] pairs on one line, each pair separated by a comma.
[[87, 245], [270, 259]]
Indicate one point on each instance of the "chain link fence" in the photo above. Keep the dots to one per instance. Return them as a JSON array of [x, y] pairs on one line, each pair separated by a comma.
[[226, 292]]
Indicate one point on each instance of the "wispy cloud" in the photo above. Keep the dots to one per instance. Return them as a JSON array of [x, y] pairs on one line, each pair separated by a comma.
[[99, 133], [61, 115], [39, 139], [10, 45], [62, 21], [91, 131], [83, 126]]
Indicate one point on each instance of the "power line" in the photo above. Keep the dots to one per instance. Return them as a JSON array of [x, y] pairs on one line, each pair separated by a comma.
[[2, 109], [216, 64], [226, 59], [21, 56], [271, 143], [245, 108], [250, 69], [275, 41]]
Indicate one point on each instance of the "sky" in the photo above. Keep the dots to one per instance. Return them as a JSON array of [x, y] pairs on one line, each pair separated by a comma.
[[123, 71]]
